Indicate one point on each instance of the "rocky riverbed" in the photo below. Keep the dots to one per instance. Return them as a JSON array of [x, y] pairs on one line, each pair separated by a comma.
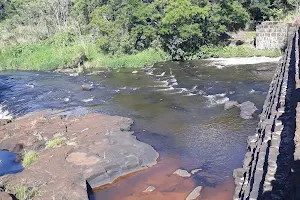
[[93, 150], [177, 107]]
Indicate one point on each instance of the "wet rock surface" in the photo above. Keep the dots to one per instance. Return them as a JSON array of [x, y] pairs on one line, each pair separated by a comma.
[[87, 87], [150, 189], [195, 193], [247, 110], [194, 171], [95, 150], [230, 104], [182, 173]]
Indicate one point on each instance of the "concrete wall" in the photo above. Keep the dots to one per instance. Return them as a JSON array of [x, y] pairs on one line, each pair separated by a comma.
[[271, 35], [267, 167]]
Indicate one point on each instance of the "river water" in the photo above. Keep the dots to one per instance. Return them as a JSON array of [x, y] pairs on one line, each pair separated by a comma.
[[178, 108]]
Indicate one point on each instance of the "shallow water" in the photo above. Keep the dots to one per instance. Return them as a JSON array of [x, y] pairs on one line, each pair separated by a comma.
[[178, 108], [7, 164]]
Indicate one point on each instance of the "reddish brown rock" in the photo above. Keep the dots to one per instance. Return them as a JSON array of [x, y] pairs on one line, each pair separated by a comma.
[[94, 150], [5, 196]]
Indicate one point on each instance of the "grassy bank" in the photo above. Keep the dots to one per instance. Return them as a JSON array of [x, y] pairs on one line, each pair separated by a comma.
[[234, 51], [49, 55], [53, 54]]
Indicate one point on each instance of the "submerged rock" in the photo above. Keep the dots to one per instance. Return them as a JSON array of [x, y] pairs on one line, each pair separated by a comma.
[[74, 74], [182, 173], [194, 171], [247, 110], [30, 85], [195, 193], [150, 189], [230, 104]]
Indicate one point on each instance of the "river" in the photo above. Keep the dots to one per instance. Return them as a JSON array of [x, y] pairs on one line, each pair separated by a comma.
[[178, 108]]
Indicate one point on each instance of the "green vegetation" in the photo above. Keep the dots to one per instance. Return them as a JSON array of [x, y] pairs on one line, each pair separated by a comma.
[[251, 34], [24, 193], [47, 56], [55, 142], [29, 158], [234, 51], [50, 34], [262, 10]]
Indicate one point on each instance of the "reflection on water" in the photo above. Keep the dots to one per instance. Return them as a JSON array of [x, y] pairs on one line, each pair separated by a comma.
[[177, 108], [193, 131]]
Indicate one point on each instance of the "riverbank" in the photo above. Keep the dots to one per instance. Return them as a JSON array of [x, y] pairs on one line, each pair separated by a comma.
[[71, 151], [56, 54]]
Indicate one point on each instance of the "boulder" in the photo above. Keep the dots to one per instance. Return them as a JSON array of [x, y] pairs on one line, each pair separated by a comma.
[[194, 171], [182, 173], [230, 104], [238, 173], [87, 87], [247, 110], [150, 189], [194, 194]]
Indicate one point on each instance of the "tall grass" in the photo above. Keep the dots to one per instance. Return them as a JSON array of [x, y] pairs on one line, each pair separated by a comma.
[[57, 53], [41, 56], [144, 58], [49, 55]]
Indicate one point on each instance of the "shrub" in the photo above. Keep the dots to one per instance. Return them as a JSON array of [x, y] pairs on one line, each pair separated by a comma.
[[55, 142], [24, 193], [29, 158]]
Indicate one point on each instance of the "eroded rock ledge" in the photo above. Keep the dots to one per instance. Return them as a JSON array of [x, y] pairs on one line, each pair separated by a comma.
[[97, 149]]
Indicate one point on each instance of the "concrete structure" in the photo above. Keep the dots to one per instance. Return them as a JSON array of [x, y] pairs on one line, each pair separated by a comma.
[[271, 168], [273, 35]]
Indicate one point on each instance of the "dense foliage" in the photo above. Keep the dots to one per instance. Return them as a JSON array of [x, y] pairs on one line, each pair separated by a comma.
[[179, 27], [261, 10]]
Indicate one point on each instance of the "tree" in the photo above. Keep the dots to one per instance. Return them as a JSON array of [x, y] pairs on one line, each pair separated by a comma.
[[234, 16], [2, 9], [185, 26]]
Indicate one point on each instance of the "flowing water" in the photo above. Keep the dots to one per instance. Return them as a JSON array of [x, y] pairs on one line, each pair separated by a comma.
[[178, 108]]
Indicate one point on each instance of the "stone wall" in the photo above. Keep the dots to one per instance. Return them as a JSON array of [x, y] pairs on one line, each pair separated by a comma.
[[271, 35], [267, 167]]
